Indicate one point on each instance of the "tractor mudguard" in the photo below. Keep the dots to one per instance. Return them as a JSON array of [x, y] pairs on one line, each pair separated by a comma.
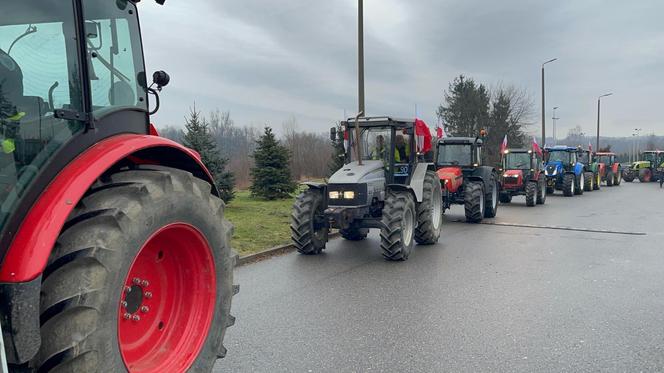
[[403, 188], [417, 180], [31, 247], [578, 169], [314, 185]]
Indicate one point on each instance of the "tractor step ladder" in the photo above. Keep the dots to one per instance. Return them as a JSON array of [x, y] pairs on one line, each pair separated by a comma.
[[3, 358]]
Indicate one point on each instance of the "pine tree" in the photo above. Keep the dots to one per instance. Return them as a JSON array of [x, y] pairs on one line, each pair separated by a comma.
[[338, 151], [197, 136], [271, 176]]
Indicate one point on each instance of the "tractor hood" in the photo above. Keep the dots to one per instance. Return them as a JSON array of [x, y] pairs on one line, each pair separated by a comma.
[[353, 173], [553, 168], [452, 177], [512, 178], [638, 165]]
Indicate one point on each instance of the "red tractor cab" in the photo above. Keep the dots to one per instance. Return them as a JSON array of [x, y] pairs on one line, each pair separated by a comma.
[[114, 251], [610, 170], [523, 175]]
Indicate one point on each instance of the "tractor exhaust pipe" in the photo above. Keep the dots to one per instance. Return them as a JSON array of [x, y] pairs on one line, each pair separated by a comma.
[[358, 149]]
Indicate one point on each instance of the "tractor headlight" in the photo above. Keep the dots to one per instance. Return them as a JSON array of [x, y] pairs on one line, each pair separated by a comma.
[[334, 195], [349, 194]]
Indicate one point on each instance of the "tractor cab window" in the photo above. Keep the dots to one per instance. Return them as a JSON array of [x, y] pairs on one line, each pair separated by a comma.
[[375, 143], [455, 154], [651, 157], [564, 157], [39, 73], [584, 157], [606, 159], [116, 68], [517, 161]]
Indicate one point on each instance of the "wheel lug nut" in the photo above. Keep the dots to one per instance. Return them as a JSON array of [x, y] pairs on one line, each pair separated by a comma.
[[148, 294], [127, 289], [145, 309], [137, 280], [136, 318], [124, 304], [145, 283], [127, 316]]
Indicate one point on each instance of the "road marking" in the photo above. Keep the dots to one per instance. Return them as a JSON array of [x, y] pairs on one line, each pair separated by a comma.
[[605, 231]]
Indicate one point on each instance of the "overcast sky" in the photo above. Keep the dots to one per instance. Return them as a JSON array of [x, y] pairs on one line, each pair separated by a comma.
[[268, 61]]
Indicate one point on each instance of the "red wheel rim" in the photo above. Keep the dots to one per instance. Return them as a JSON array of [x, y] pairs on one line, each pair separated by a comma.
[[167, 304]]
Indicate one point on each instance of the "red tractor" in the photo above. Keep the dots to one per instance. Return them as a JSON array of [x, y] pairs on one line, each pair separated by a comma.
[[114, 251], [610, 170], [523, 175]]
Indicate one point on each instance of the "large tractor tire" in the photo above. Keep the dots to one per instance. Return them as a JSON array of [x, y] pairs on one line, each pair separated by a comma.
[[609, 178], [354, 234], [645, 176], [580, 182], [140, 279], [399, 220], [474, 202], [628, 176], [430, 211], [309, 229], [597, 181], [617, 179], [531, 193], [541, 191], [588, 179], [491, 198], [569, 185], [505, 197]]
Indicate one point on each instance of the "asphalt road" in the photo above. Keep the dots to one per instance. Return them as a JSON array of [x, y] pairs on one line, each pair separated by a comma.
[[485, 298]]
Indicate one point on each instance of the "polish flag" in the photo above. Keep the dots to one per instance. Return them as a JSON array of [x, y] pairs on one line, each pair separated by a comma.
[[440, 131], [503, 146], [536, 147], [590, 148], [346, 139]]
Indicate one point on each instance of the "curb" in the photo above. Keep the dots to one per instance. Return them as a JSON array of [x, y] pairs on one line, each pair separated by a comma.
[[275, 251]]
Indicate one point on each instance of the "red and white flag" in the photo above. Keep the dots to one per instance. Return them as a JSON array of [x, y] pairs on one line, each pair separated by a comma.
[[536, 147], [346, 138], [590, 148], [503, 146], [440, 131]]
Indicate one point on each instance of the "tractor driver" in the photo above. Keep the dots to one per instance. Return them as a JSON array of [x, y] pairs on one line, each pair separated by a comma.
[[378, 151], [11, 86], [401, 150]]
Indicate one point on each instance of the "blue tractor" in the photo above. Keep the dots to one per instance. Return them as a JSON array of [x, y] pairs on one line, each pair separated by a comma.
[[563, 170]]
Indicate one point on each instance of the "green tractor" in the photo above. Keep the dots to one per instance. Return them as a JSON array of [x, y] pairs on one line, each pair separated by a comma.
[[591, 169], [650, 168]]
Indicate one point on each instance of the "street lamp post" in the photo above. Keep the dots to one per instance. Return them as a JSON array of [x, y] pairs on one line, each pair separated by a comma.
[[543, 104], [554, 118], [360, 54], [637, 143], [598, 110]]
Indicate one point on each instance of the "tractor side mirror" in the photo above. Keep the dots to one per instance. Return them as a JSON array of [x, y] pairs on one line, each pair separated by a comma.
[[333, 133], [160, 79]]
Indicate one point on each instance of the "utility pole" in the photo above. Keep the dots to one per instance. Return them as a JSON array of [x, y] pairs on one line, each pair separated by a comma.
[[554, 118], [598, 110], [360, 55], [544, 104]]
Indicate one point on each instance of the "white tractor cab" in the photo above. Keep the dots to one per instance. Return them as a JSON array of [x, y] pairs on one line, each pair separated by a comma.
[[385, 183]]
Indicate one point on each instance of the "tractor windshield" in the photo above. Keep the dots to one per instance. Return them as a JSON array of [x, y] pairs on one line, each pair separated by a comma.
[[455, 154], [561, 156], [517, 161], [375, 143], [650, 156], [605, 159], [583, 157]]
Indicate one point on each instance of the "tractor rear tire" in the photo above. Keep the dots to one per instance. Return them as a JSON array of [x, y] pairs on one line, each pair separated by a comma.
[[645, 176], [598, 181], [541, 191], [354, 234], [628, 176], [569, 185], [505, 197], [399, 220], [531, 192], [580, 182], [491, 198], [474, 202], [588, 181], [309, 230], [165, 227], [617, 179], [430, 211], [609, 178]]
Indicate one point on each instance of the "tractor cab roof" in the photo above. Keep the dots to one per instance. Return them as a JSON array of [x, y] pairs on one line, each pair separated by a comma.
[[560, 148], [460, 140], [380, 122], [518, 150], [654, 151], [605, 153]]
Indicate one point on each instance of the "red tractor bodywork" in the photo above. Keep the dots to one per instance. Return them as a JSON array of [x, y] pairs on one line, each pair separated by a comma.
[[451, 177], [33, 242], [512, 179], [603, 167], [518, 172]]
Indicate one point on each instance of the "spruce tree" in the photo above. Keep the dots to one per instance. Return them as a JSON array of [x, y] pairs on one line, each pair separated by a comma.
[[271, 176], [197, 136], [338, 151]]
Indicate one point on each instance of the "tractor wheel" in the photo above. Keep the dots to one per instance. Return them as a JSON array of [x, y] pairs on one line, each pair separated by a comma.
[[588, 178], [354, 234], [531, 193], [609, 178], [140, 279], [505, 197], [617, 179], [569, 185], [597, 181], [430, 211], [474, 202], [579, 183], [645, 176], [491, 198], [309, 229], [628, 176], [541, 191], [399, 219]]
